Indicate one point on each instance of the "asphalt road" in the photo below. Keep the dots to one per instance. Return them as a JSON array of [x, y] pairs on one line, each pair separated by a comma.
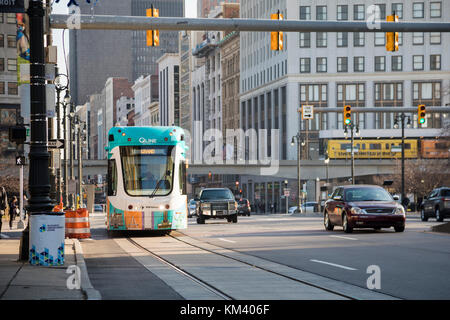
[[413, 264]]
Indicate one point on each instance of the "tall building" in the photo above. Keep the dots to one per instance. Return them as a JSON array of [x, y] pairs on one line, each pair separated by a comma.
[[124, 105], [145, 93], [96, 55], [204, 7], [329, 69], [9, 90], [169, 89]]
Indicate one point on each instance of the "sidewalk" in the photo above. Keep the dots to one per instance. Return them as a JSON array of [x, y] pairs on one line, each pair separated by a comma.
[[22, 281]]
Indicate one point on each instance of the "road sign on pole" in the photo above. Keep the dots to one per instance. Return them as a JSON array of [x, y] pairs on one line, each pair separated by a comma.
[[307, 112], [56, 144]]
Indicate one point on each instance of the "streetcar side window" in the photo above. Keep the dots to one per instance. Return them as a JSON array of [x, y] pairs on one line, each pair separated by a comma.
[[112, 177], [183, 177]]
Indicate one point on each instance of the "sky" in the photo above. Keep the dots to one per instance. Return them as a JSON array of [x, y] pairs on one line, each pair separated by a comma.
[[61, 8]]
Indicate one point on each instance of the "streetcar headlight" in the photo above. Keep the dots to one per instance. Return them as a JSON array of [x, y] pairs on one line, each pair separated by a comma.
[[357, 210], [399, 210]]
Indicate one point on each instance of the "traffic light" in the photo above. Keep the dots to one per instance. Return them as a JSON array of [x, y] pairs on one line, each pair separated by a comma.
[[152, 35], [17, 134], [392, 37], [347, 115], [276, 38], [421, 113]]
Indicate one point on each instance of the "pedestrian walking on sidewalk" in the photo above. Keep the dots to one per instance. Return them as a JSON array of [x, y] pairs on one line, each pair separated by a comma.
[[3, 205], [13, 210]]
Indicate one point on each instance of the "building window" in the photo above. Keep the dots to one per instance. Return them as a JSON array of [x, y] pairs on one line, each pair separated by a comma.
[[358, 64], [342, 12], [321, 40], [435, 38], [342, 39], [321, 13], [397, 63], [12, 41], [1, 17], [316, 95], [321, 64], [2, 40], [435, 62], [353, 94], [397, 8], [2, 87], [2, 64], [435, 9], [12, 64], [418, 11], [382, 8], [380, 38], [11, 18], [305, 65], [429, 93], [418, 38], [380, 63], [388, 92], [12, 88], [358, 39], [305, 13], [418, 62], [358, 12], [342, 64], [305, 40]]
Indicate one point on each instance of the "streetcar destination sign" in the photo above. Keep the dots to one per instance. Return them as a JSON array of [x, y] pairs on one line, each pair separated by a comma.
[[12, 6]]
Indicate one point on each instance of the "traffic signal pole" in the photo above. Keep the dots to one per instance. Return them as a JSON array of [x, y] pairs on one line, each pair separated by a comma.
[[403, 156]]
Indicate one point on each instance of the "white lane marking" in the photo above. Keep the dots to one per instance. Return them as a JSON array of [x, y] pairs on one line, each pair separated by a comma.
[[334, 265], [227, 240], [341, 237]]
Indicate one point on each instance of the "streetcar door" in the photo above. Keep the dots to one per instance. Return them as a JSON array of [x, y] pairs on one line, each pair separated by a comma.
[[112, 177]]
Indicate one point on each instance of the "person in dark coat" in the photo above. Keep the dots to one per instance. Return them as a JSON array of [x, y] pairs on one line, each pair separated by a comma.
[[13, 210], [3, 205]]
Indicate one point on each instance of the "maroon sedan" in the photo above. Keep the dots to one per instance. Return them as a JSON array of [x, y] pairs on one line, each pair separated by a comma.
[[363, 206]]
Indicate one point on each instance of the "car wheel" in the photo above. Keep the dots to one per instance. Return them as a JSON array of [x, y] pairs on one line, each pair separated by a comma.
[[326, 221], [200, 220], [423, 216], [438, 215], [399, 229], [346, 226], [235, 218]]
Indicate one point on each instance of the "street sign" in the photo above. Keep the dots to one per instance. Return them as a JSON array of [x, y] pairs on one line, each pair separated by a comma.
[[56, 144], [307, 112], [20, 160], [12, 6], [287, 192]]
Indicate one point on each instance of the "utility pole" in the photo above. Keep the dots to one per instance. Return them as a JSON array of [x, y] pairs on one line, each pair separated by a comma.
[[71, 152], [80, 155], [352, 127]]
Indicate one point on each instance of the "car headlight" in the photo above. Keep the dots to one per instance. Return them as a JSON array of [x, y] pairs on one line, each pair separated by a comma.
[[357, 210], [399, 210], [206, 206]]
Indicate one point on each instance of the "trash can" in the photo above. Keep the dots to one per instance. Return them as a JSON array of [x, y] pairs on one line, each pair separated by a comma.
[[47, 232]]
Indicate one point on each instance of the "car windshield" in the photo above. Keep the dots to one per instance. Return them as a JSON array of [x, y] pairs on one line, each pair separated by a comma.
[[144, 166], [367, 194], [243, 202], [216, 194], [445, 192]]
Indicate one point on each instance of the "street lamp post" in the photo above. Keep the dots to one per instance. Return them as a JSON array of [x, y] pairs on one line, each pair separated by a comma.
[[71, 153], [327, 161], [80, 126], [300, 143], [66, 146], [356, 128], [287, 198], [401, 118]]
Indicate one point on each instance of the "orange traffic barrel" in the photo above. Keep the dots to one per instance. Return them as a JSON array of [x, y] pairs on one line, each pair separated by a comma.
[[77, 224]]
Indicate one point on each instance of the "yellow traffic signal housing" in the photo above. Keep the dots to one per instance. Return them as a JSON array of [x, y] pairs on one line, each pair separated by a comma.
[[421, 114], [347, 115], [152, 35], [276, 38], [392, 37]]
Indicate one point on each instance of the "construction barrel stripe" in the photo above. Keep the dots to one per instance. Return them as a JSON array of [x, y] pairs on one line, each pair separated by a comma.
[[77, 224]]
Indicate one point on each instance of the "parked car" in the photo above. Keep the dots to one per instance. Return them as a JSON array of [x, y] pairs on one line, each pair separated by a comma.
[[307, 207], [363, 206], [244, 207], [192, 208], [98, 208], [216, 203], [293, 210], [436, 205]]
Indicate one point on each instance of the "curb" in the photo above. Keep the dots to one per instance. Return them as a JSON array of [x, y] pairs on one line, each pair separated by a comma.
[[86, 286]]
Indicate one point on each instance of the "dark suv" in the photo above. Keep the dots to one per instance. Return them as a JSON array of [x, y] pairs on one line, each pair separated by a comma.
[[436, 204], [216, 203], [244, 207]]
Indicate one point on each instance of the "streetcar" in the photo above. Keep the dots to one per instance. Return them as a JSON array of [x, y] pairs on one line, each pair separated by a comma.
[[146, 179], [372, 149]]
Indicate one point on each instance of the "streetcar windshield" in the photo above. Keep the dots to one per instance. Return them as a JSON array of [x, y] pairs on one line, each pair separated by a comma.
[[146, 168]]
